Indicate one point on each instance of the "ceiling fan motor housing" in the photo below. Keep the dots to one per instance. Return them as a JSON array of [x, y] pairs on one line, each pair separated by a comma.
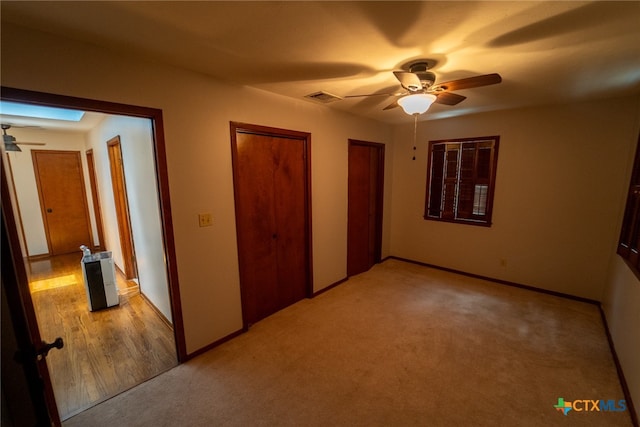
[[427, 78], [421, 69]]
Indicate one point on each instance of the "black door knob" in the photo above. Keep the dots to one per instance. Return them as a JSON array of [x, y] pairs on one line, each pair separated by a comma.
[[44, 350]]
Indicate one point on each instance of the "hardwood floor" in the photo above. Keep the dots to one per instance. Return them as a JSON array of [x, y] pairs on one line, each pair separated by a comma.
[[105, 352]]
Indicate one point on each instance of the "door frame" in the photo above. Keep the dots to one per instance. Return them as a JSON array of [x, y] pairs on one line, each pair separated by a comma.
[[121, 201], [379, 189], [95, 198], [41, 194], [21, 283], [305, 137], [15, 284]]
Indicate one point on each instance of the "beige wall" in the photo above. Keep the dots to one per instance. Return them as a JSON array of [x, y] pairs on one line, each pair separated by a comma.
[[621, 305], [622, 308], [196, 112], [560, 179]]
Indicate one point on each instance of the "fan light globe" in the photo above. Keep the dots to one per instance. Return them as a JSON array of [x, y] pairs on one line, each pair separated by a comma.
[[417, 103]]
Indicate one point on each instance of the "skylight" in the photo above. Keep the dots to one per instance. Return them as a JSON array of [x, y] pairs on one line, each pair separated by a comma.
[[40, 112]]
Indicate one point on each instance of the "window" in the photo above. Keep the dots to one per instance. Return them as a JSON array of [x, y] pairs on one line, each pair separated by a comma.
[[460, 180], [630, 234]]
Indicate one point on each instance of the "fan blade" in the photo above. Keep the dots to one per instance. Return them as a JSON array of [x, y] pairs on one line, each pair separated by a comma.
[[30, 143], [394, 104], [408, 80], [449, 98], [471, 82]]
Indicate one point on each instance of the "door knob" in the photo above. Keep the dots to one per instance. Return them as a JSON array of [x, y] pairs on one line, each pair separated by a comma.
[[49, 210], [45, 347], [38, 352]]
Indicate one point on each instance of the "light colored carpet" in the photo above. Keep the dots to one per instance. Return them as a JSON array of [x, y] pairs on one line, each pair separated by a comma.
[[398, 345]]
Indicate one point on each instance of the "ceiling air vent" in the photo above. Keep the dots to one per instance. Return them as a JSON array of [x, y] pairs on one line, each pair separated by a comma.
[[324, 97]]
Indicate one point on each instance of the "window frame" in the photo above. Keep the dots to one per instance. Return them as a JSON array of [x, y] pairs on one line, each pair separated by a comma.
[[628, 246], [452, 214]]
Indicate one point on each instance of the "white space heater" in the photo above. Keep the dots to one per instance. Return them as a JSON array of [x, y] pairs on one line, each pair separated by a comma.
[[100, 280]]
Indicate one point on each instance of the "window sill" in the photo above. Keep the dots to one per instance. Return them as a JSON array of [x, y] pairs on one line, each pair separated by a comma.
[[460, 221]]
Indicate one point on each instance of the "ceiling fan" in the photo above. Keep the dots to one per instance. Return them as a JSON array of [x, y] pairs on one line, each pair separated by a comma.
[[420, 90], [10, 143]]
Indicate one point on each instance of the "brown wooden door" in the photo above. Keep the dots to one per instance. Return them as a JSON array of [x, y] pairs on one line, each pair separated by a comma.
[[366, 184], [122, 207], [63, 200], [271, 183]]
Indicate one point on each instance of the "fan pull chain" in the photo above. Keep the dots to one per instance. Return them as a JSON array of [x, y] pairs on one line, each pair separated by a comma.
[[415, 131]]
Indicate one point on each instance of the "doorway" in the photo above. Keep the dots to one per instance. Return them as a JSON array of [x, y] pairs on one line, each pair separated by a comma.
[[166, 246], [365, 195], [271, 171]]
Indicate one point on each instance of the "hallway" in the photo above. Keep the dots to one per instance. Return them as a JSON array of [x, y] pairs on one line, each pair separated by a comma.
[[105, 352]]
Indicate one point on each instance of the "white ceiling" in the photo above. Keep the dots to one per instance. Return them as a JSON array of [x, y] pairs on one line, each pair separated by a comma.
[[546, 52]]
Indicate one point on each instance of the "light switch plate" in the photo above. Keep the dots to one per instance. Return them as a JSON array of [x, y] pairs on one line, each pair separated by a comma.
[[205, 219]]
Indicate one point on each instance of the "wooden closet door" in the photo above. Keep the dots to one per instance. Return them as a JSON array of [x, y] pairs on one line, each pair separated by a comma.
[[63, 200], [290, 219], [272, 220], [365, 188], [256, 224]]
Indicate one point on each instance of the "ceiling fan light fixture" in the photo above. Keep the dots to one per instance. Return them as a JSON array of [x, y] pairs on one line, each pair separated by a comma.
[[417, 103]]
